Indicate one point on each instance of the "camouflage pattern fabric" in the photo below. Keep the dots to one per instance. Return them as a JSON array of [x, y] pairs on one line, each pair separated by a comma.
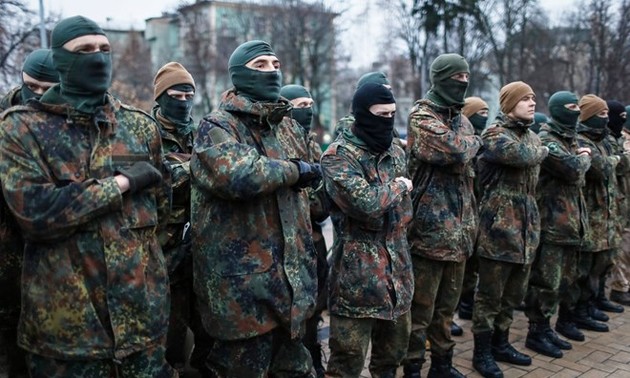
[[438, 285], [94, 282], [600, 193], [509, 222], [14, 97], [255, 264], [370, 273], [344, 123], [590, 267], [440, 148], [350, 338], [252, 358], [148, 363], [553, 272], [502, 287]]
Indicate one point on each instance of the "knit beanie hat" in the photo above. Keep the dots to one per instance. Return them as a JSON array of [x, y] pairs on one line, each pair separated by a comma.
[[591, 105], [511, 94], [292, 91], [447, 65], [472, 105], [248, 51], [39, 66], [376, 77], [71, 28], [170, 74], [615, 119]]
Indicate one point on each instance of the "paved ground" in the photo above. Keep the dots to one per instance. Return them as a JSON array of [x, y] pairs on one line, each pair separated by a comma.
[[600, 355]]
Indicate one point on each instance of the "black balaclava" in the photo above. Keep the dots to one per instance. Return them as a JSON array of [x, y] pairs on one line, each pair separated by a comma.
[[444, 90], [253, 84], [84, 78], [303, 116], [377, 132], [616, 117], [39, 66], [177, 111]]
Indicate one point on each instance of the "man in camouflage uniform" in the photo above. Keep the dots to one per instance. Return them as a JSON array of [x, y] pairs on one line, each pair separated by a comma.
[[476, 110], [441, 147], [302, 113], [564, 224], [38, 74], [173, 91], [620, 277], [509, 226], [600, 193], [83, 174], [371, 277], [255, 264]]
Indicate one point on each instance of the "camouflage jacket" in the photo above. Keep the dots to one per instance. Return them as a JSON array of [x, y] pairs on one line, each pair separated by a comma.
[[317, 197], [177, 150], [94, 283], [255, 264], [14, 97], [509, 222], [441, 146], [371, 274], [563, 215], [600, 192], [623, 180]]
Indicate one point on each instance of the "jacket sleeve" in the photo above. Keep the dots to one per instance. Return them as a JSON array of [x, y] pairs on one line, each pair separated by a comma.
[[501, 148], [46, 209], [601, 166], [229, 169], [349, 190], [433, 142], [564, 165]]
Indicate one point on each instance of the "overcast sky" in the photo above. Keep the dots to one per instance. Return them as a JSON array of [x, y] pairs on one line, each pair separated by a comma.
[[365, 33]]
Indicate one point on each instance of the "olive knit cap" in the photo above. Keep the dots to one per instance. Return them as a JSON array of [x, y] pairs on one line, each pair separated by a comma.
[[71, 28], [171, 74], [376, 77], [472, 105], [293, 91], [511, 94], [248, 51], [591, 105], [447, 65], [39, 66]]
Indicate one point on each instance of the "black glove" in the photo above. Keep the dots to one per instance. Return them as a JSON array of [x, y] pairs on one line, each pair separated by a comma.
[[141, 175], [310, 174]]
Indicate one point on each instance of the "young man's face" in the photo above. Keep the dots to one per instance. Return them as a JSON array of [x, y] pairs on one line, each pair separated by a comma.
[[525, 108]]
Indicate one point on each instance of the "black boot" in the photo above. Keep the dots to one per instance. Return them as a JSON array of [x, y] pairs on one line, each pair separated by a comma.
[[597, 314], [553, 337], [538, 341], [316, 355], [412, 369], [583, 320], [620, 297], [466, 303], [456, 330], [604, 304], [388, 374], [442, 367], [483, 361], [566, 327], [503, 351]]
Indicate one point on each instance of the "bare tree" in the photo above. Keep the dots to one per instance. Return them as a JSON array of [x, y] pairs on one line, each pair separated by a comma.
[[131, 81]]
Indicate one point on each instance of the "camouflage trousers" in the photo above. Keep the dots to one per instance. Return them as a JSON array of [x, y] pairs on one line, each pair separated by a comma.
[[592, 266], [471, 276], [437, 287], [553, 272], [502, 287], [273, 354], [146, 364], [620, 275], [350, 338]]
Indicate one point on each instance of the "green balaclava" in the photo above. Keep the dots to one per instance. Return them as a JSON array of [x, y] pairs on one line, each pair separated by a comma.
[[539, 119], [303, 116], [444, 90], [39, 66], [84, 78], [253, 84], [177, 111], [376, 77], [559, 113]]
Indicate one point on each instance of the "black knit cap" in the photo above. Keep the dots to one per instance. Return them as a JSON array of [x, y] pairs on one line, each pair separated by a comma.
[[371, 94]]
